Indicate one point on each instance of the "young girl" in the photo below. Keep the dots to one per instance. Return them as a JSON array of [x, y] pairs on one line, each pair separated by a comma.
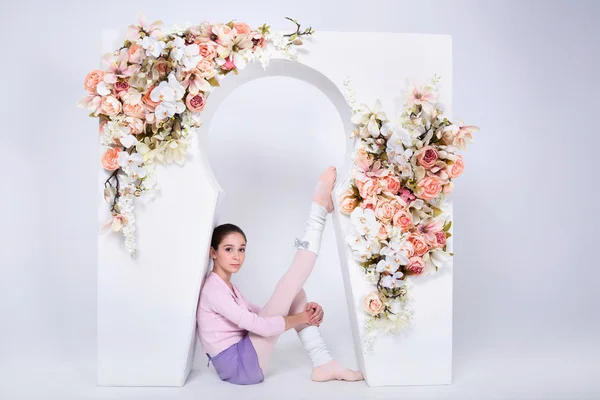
[[238, 336]]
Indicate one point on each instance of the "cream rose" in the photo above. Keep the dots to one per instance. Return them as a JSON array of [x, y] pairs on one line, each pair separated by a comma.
[[373, 304], [428, 188], [367, 188], [348, 202], [92, 79], [110, 105], [206, 69], [384, 211], [134, 110]]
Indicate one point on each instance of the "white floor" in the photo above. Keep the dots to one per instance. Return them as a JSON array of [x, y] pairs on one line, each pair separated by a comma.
[[554, 374]]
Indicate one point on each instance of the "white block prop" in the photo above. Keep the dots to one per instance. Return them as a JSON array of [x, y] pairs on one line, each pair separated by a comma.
[[147, 306]]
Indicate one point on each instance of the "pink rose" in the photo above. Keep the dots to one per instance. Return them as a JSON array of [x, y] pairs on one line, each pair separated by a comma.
[[367, 188], [195, 103], [92, 80], [403, 220], [440, 239], [419, 244], [206, 69], [348, 202], [110, 158], [457, 168], [427, 157], [134, 110], [384, 212], [242, 28], [229, 65], [258, 39], [415, 266], [136, 53], [391, 183], [208, 50], [110, 105], [120, 87], [369, 203], [428, 188], [373, 303]]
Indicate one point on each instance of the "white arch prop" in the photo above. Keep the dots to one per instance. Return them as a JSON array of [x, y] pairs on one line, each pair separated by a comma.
[[147, 306]]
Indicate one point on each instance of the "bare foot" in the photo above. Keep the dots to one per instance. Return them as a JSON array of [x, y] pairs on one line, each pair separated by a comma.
[[333, 370], [324, 188]]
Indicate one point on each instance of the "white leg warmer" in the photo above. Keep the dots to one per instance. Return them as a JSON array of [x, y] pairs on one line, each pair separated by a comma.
[[314, 346], [315, 224]]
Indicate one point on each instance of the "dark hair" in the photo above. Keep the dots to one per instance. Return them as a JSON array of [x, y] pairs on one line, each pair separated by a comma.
[[223, 230]]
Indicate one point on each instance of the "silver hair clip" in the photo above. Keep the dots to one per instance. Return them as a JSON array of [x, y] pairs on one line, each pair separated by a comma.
[[303, 244]]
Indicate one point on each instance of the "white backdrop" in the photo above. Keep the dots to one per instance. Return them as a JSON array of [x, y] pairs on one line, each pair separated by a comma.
[[525, 320]]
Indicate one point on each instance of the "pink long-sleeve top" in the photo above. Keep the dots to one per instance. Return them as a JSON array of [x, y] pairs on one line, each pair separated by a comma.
[[225, 316]]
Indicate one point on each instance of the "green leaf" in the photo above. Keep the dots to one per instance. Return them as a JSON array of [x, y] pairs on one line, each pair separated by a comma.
[[436, 211], [294, 36], [447, 226], [213, 81], [451, 254], [448, 235]]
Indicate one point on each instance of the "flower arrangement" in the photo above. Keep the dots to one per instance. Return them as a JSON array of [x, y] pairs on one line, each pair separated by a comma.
[[401, 176], [150, 94]]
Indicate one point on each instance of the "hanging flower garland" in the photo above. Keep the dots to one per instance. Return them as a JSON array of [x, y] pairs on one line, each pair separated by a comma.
[[150, 93], [401, 176]]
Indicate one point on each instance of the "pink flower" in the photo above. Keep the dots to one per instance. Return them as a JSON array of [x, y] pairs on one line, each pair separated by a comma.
[[364, 160], [424, 97], [348, 202], [229, 65], [459, 135], [403, 220], [195, 103], [383, 232], [134, 31], [257, 39], [457, 168], [120, 87], [136, 125], [151, 105], [448, 188], [110, 105], [369, 203], [430, 229], [416, 266], [406, 195], [427, 157], [116, 66], [92, 79], [419, 244], [103, 121], [134, 110], [384, 212], [428, 188], [440, 239], [116, 222], [110, 159], [206, 69]]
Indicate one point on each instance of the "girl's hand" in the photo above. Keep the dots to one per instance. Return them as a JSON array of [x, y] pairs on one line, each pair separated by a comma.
[[316, 313]]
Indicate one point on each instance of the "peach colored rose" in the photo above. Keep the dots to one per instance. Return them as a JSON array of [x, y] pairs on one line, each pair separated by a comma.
[[427, 157], [148, 101], [195, 103], [161, 67], [348, 202], [415, 266], [403, 220], [208, 50], [110, 105], [384, 212], [419, 244], [206, 69], [136, 125], [109, 159], [134, 110], [390, 183], [242, 28], [92, 80], [367, 188], [457, 168], [428, 188], [448, 188], [373, 303]]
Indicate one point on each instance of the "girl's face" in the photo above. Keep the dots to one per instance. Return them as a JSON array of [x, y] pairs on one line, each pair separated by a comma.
[[231, 253]]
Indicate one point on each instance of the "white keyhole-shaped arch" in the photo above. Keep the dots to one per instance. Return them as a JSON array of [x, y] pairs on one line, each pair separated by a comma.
[[147, 306]]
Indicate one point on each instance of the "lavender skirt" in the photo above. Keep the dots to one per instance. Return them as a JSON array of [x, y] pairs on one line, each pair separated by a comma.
[[238, 364]]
